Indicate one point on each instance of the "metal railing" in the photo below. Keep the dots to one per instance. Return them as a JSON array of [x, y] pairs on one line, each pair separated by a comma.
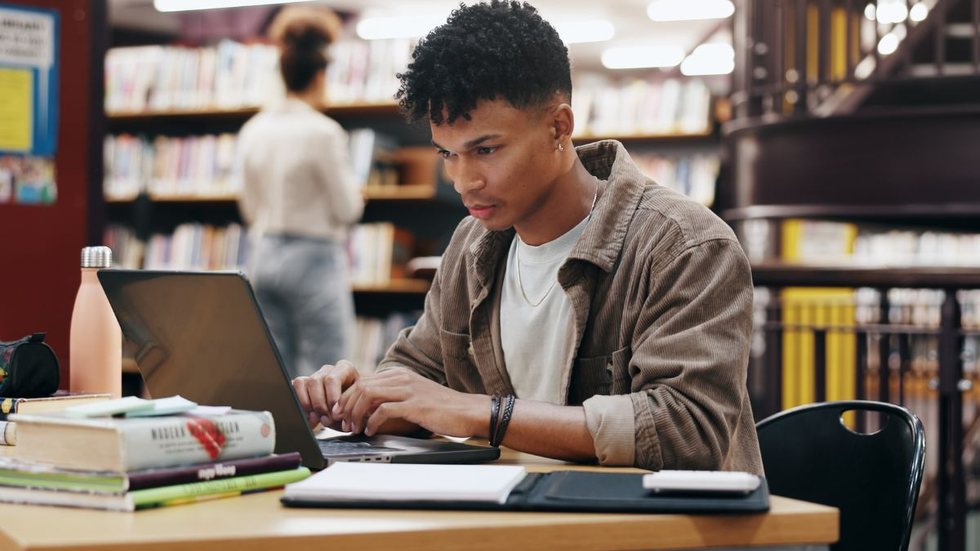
[[884, 342]]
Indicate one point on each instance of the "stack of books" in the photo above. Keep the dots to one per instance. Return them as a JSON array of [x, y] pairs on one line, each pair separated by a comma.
[[131, 463]]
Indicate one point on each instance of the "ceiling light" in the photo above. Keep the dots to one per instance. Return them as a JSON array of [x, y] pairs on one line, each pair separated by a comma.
[[687, 10], [642, 57], [919, 12], [406, 26], [888, 44], [575, 32], [869, 12], [709, 59], [187, 5], [892, 12]]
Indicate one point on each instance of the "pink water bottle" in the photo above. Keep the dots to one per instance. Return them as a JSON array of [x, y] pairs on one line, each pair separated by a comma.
[[95, 349]]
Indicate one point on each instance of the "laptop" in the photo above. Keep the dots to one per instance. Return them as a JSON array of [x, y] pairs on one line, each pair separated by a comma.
[[202, 335]]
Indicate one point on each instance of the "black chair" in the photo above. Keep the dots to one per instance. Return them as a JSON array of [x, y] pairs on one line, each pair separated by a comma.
[[873, 479]]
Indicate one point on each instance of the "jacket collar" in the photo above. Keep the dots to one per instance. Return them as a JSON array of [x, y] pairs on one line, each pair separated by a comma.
[[602, 241]]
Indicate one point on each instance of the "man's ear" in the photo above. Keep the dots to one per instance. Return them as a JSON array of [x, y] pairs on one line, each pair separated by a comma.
[[563, 123]]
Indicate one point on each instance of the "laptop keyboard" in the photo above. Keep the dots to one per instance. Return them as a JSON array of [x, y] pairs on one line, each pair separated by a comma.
[[344, 447]]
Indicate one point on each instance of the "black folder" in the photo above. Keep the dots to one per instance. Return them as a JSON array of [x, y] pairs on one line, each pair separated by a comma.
[[582, 491]]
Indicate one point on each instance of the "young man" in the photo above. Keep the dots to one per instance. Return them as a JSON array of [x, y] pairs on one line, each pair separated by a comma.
[[617, 311]]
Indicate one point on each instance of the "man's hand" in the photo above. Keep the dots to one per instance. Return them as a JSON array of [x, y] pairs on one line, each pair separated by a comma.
[[320, 392], [371, 401]]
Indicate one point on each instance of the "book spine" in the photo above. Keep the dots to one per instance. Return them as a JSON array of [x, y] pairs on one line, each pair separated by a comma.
[[8, 433], [183, 493], [154, 478], [185, 440]]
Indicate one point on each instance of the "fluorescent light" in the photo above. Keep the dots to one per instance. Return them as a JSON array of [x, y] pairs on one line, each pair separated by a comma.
[[688, 10], [405, 26], [187, 5], [709, 59], [575, 32], [638, 57]]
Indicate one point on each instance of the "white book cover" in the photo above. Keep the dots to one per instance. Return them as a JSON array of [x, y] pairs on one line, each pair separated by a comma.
[[409, 482]]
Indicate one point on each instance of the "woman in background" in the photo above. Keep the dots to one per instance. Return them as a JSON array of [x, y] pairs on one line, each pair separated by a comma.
[[299, 199]]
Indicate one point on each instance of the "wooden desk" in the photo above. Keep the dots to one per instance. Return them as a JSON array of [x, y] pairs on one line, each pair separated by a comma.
[[258, 522]]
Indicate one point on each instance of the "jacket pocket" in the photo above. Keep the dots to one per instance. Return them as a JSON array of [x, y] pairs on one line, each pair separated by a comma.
[[458, 360], [606, 374], [619, 370]]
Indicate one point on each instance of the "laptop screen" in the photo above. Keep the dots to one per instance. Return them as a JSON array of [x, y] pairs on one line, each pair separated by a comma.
[[202, 335]]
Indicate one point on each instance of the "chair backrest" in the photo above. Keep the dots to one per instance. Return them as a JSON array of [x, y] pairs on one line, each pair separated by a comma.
[[809, 453]]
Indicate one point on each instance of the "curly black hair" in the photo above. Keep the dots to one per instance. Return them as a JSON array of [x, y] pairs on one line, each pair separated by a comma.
[[500, 49]]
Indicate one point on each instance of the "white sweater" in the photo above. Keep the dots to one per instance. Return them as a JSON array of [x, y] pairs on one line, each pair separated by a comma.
[[297, 174]]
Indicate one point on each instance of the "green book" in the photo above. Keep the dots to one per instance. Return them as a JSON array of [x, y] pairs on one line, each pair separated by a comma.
[[39, 475], [155, 497]]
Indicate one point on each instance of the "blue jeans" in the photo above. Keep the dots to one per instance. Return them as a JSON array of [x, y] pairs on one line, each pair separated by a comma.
[[303, 287]]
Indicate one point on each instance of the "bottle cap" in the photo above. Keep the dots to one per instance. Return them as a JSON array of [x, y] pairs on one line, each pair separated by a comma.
[[96, 257]]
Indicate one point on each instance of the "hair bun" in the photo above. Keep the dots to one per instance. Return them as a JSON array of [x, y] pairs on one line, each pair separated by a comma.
[[304, 27], [304, 36]]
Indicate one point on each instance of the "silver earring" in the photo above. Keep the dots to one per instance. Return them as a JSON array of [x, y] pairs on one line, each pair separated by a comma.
[[561, 147]]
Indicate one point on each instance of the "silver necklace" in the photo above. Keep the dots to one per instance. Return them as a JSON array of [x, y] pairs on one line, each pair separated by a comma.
[[517, 254]]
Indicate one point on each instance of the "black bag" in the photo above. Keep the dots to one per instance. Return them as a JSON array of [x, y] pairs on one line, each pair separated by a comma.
[[28, 368]]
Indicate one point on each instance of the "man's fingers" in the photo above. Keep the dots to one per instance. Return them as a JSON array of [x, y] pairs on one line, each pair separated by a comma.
[[382, 414], [299, 387]]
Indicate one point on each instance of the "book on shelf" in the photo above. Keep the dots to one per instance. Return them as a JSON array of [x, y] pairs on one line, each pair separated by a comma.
[[692, 175], [112, 444], [155, 497], [47, 404], [372, 157], [365, 71], [638, 107], [379, 252], [14, 472]]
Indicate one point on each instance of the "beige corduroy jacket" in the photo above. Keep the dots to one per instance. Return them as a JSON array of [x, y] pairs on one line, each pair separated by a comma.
[[662, 299]]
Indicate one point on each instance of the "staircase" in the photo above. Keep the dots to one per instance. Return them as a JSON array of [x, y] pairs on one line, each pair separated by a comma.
[[900, 129]]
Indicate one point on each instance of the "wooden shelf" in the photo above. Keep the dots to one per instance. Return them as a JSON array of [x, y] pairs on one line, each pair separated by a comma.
[[778, 274], [413, 192], [351, 109], [395, 286], [668, 137]]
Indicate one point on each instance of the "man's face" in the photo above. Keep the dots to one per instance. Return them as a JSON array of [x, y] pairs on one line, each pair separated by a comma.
[[502, 162]]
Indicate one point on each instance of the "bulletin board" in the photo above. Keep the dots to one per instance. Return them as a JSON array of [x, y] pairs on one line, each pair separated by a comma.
[[28, 104]]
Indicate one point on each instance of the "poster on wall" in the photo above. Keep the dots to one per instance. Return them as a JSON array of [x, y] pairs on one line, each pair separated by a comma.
[[28, 104]]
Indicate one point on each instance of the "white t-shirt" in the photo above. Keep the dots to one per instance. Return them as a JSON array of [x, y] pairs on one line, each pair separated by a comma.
[[296, 174], [536, 319]]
